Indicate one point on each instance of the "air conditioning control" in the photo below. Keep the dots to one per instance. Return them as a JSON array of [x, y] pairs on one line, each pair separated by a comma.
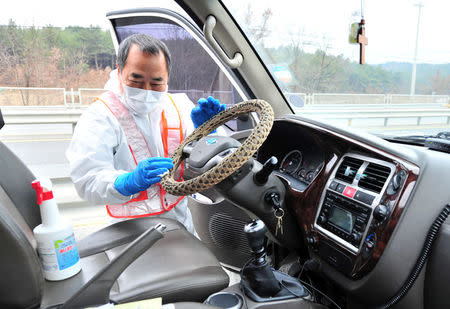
[[322, 219], [380, 213], [356, 237]]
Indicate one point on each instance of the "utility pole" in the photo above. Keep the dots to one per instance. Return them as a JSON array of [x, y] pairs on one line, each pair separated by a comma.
[[413, 75]]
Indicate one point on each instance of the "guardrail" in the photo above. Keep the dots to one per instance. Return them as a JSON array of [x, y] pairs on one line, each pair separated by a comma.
[[352, 117], [351, 109], [364, 99], [20, 96], [377, 118], [16, 115]]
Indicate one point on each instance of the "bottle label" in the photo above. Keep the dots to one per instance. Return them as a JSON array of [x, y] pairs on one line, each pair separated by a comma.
[[66, 252], [47, 257]]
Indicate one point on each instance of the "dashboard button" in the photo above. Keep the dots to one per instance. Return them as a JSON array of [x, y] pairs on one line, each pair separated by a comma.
[[302, 173], [333, 185], [310, 176], [364, 197], [349, 191], [340, 188]]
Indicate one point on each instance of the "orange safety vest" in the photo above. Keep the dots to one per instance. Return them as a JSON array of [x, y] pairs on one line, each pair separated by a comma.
[[146, 203]]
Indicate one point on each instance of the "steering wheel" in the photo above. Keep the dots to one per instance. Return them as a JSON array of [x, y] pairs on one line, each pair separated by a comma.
[[231, 162]]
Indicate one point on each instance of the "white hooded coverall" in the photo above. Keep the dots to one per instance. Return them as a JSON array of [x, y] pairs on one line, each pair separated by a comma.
[[99, 152]]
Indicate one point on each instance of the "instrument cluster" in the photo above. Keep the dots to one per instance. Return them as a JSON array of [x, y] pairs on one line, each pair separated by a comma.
[[299, 166]]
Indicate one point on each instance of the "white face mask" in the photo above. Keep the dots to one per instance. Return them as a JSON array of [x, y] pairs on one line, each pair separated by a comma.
[[141, 101]]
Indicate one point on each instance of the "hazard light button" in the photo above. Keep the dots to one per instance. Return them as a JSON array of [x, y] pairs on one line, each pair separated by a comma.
[[349, 191]]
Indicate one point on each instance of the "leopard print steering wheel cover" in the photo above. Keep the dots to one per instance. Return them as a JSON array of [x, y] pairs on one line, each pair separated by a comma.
[[233, 161]]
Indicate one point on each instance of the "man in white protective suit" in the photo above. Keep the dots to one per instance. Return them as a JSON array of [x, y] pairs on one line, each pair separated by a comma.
[[122, 142]]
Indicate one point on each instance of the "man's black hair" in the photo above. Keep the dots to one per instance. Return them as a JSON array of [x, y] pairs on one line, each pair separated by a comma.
[[147, 44]]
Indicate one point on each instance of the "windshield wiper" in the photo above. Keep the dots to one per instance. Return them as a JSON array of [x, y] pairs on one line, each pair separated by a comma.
[[418, 139]]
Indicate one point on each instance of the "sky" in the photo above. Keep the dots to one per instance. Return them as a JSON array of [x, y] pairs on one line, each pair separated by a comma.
[[390, 24]]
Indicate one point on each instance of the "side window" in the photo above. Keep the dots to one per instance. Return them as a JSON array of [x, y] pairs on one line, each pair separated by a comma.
[[193, 70]]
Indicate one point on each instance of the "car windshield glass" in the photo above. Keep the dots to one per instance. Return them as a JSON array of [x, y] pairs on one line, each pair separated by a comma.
[[311, 49]]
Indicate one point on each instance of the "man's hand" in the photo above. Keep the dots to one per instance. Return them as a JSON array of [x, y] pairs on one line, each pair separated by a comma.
[[147, 173], [206, 109]]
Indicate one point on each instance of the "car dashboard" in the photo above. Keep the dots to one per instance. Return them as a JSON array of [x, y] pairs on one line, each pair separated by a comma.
[[349, 193]]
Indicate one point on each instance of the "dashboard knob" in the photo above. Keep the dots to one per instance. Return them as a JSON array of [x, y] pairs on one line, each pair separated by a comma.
[[322, 219], [311, 240], [380, 213], [356, 236], [396, 182]]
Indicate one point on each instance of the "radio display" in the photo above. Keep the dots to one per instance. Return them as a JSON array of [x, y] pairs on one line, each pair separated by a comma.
[[342, 218]]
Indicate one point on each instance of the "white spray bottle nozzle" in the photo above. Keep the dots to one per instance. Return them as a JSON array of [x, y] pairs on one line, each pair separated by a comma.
[[43, 188]]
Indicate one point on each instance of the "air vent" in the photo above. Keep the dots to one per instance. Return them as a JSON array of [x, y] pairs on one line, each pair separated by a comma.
[[374, 177], [348, 168]]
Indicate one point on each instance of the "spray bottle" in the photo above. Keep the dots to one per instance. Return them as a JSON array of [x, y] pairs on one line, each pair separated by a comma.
[[55, 238]]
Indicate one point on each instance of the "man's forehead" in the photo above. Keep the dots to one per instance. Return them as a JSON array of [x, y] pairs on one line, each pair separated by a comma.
[[141, 64], [136, 52]]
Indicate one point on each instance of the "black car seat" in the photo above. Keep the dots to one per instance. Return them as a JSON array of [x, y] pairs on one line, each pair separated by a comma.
[[177, 267]]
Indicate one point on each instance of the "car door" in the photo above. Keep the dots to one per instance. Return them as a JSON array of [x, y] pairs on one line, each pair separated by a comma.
[[198, 72]]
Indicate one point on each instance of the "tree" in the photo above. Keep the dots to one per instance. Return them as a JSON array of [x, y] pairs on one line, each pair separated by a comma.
[[440, 84], [257, 31]]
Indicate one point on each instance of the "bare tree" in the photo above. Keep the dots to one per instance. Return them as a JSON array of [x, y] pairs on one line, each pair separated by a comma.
[[258, 30]]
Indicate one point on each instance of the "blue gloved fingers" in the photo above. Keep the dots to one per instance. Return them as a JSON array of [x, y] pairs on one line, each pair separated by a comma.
[[211, 106], [154, 180], [201, 101], [156, 165], [155, 173], [155, 162], [215, 106], [206, 109], [158, 159], [198, 116], [143, 176]]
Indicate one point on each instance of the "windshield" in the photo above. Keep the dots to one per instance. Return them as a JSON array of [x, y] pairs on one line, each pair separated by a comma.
[[311, 49]]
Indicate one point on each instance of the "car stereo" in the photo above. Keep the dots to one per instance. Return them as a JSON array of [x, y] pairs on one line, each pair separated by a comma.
[[344, 218], [353, 191]]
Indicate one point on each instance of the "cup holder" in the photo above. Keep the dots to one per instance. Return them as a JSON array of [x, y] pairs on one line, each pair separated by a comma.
[[225, 300]]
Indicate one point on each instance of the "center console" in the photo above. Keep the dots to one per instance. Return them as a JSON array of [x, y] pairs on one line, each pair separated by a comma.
[[355, 214]]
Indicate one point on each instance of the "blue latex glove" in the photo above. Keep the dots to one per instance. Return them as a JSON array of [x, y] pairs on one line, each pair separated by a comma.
[[143, 176], [206, 109]]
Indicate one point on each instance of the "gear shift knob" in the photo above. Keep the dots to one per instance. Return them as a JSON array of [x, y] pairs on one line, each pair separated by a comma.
[[255, 231]]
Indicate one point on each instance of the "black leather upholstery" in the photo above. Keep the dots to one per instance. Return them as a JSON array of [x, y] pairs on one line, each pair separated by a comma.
[[119, 234], [20, 267], [178, 267], [15, 179]]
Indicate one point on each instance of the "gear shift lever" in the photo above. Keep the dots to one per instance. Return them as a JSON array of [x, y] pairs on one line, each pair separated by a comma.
[[257, 272], [259, 280], [255, 231]]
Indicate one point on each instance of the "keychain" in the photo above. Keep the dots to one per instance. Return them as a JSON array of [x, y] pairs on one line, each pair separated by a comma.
[[279, 214]]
